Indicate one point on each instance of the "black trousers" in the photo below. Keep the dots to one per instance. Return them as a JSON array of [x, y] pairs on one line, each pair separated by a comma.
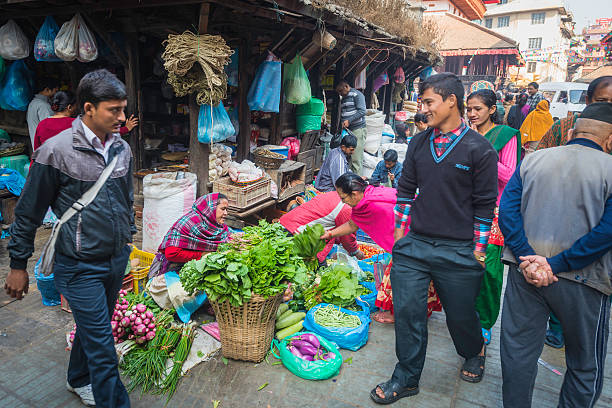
[[585, 317], [456, 275]]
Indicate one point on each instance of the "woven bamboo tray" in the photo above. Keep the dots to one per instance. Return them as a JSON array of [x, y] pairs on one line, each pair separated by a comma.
[[246, 331], [267, 162], [13, 151]]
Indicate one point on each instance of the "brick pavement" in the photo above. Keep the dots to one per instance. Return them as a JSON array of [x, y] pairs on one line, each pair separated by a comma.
[[33, 364]]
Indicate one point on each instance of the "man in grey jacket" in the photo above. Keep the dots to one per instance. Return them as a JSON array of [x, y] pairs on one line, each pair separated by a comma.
[[40, 106], [91, 252], [556, 217], [353, 111]]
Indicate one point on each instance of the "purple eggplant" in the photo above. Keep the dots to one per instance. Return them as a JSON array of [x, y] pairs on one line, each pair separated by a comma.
[[312, 339], [308, 358], [295, 351], [308, 349]]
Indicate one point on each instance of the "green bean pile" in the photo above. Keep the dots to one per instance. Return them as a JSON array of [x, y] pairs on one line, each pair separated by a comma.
[[331, 316]]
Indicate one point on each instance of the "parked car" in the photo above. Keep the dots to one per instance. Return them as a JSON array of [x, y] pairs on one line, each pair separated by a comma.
[[564, 97]]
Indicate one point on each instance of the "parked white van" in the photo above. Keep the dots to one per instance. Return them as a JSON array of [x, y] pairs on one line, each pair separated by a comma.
[[564, 97]]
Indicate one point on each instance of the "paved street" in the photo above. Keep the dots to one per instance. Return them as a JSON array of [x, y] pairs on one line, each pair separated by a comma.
[[33, 364]]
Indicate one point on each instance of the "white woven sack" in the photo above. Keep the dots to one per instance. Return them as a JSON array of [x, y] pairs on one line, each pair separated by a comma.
[[67, 40], [165, 201], [14, 45]]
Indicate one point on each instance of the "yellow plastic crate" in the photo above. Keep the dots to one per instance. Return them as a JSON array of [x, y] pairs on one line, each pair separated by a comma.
[[146, 259]]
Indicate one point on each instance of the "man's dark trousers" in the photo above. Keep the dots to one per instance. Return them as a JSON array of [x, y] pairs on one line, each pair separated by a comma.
[[585, 317], [91, 289], [456, 275]]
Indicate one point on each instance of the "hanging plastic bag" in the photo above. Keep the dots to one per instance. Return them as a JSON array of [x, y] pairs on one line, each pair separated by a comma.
[[382, 80], [295, 82], [16, 87], [231, 70], [265, 91], [88, 48], [350, 338], [308, 370], [44, 48], [14, 45], [214, 124], [360, 80], [293, 143], [67, 40], [399, 76]]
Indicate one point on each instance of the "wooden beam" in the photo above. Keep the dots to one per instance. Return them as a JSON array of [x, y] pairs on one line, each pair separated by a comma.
[[292, 51], [284, 38], [347, 48], [380, 68], [367, 62], [316, 60], [244, 113], [107, 38], [198, 152], [132, 84], [354, 64]]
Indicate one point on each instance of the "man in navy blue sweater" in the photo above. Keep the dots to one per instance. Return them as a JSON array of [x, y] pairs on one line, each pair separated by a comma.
[[556, 217], [455, 170]]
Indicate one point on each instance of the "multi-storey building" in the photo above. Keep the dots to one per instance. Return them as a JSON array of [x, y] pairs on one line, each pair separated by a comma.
[[595, 50]]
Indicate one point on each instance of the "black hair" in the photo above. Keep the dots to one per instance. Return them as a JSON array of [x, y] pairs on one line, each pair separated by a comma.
[[522, 100], [349, 182], [61, 100], [390, 156], [349, 140], [342, 83], [534, 84], [555, 119], [508, 98], [46, 83], [445, 85], [221, 196], [601, 82], [400, 128], [489, 99], [99, 86], [420, 117]]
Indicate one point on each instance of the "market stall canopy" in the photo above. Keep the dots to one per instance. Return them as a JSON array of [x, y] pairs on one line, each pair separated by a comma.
[[462, 35]]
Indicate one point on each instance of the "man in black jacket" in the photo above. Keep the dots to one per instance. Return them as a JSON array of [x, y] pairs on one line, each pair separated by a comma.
[[455, 170], [91, 249]]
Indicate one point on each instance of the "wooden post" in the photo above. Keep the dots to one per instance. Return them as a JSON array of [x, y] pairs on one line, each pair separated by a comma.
[[132, 84], [244, 114], [335, 125], [198, 152], [387, 100]]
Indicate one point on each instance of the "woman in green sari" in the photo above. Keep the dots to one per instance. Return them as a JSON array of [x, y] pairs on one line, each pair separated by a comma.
[[482, 113]]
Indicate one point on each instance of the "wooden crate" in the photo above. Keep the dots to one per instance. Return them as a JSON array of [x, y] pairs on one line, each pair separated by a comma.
[[290, 172], [308, 158], [7, 209]]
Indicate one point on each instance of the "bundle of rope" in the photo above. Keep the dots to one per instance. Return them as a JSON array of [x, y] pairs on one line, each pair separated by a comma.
[[207, 78]]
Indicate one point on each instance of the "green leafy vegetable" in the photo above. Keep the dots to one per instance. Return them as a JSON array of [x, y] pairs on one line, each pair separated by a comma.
[[338, 286], [309, 243]]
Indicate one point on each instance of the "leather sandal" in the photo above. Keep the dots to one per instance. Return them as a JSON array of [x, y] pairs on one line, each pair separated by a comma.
[[476, 366], [393, 392]]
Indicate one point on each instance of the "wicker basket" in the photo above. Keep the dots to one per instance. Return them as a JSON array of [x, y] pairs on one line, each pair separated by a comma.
[[267, 162], [13, 151], [246, 331]]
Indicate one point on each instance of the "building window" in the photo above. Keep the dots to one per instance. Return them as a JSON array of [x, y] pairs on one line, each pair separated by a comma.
[[535, 43], [503, 21], [488, 22], [538, 18], [531, 67]]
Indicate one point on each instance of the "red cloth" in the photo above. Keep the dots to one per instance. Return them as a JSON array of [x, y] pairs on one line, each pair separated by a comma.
[[47, 128], [325, 209], [179, 255]]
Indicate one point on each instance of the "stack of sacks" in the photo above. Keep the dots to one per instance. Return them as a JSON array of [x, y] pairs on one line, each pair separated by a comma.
[[219, 161], [410, 106]]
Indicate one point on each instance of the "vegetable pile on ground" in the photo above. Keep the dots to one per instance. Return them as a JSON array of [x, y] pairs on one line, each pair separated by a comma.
[[330, 316], [307, 347], [288, 322], [262, 261], [309, 243], [338, 286], [370, 250]]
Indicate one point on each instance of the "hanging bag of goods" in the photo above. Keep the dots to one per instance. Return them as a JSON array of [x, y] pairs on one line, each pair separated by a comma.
[[88, 48], [196, 63], [44, 47], [214, 124], [16, 87], [14, 45], [67, 40], [295, 82], [264, 93]]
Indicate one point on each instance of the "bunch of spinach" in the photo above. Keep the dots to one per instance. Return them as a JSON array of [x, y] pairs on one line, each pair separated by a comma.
[[260, 261], [309, 243], [338, 286]]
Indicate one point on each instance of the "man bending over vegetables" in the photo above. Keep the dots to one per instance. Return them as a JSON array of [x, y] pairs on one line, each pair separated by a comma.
[[91, 250]]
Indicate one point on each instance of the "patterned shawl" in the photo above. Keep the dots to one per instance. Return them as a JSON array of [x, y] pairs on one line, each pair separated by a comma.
[[198, 230]]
